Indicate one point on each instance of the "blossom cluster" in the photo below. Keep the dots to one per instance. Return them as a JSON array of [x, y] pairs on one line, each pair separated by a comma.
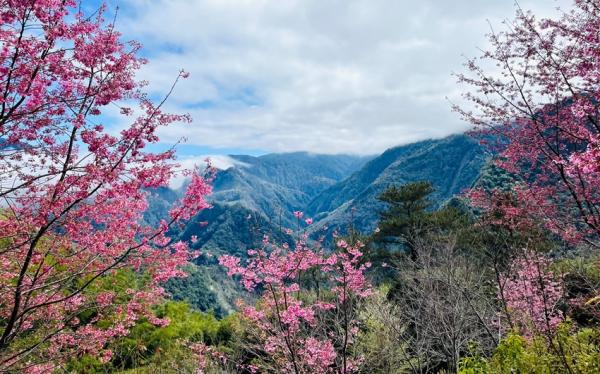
[[532, 295], [296, 318]]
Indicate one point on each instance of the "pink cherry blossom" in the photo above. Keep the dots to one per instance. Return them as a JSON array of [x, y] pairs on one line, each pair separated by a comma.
[[531, 294], [299, 333], [77, 192], [540, 111]]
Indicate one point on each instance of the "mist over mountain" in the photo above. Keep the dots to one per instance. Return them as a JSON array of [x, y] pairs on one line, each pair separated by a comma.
[[258, 195], [451, 164]]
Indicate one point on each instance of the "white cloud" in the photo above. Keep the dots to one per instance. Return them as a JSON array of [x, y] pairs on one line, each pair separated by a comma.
[[220, 162], [326, 76]]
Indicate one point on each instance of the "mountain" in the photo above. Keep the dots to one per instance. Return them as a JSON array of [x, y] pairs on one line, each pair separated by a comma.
[[159, 202], [452, 164], [228, 229], [276, 185], [335, 190], [222, 229], [258, 195], [255, 197]]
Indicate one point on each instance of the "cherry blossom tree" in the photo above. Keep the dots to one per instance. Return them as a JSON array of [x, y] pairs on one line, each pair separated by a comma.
[[72, 192], [536, 91], [532, 294], [305, 320]]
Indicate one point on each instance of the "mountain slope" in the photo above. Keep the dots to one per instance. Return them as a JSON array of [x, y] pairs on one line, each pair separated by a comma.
[[451, 164], [223, 229], [228, 229], [276, 185], [258, 196]]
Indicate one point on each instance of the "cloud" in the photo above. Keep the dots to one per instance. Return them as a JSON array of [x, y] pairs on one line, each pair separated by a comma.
[[189, 162], [326, 76]]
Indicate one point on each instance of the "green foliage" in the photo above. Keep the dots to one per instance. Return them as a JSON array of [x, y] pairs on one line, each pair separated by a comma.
[[199, 290], [493, 177], [378, 342], [149, 345], [474, 363], [86, 364], [581, 278], [569, 351], [150, 349], [407, 215], [406, 201], [411, 218]]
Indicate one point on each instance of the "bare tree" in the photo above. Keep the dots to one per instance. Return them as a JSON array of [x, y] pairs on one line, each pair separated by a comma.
[[446, 305]]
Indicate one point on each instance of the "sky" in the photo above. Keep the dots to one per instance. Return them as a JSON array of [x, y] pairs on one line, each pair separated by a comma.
[[324, 76]]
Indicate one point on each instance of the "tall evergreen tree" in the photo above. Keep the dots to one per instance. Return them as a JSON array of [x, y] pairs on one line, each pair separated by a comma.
[[407, 215]]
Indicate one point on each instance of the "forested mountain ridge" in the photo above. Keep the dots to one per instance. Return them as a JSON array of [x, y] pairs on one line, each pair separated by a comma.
[[334, 190], [276, 185], [451, 164], [257, 196]]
